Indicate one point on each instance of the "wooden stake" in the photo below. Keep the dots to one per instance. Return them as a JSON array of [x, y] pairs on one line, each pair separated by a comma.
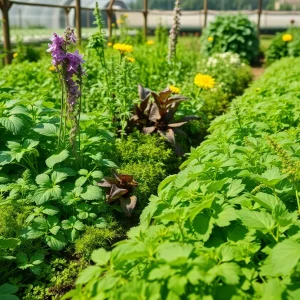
[[5, 6], [205, 4], [145, 13], [109, 18], [258, 16], [78, 21]]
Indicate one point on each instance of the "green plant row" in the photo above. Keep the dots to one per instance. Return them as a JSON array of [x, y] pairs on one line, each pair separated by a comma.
[[226, 226]]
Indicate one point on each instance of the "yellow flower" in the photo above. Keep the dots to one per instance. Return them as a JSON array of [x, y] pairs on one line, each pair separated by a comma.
[[109, 44], [120, 21], [174, 89], [123, 48], [204, 81], [131, 59], [150, 42], [125, 16], [287, 37], [15, 55], [52, 68], [210, 38]]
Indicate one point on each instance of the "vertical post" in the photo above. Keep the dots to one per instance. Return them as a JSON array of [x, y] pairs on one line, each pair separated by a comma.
[[88, 20], [67, 21], [5, 6], [109, 18], [258, 16], [205, 13], [78, 20], [145, 13]]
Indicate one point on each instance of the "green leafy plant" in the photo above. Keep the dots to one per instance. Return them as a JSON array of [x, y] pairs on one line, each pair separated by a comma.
[[231, 33], [222, 226]]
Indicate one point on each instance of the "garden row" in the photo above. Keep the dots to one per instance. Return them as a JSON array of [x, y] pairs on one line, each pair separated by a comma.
[[226, 226], [58, 199]]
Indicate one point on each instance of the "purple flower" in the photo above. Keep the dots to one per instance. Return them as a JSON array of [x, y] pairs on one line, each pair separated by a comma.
[[70, 64]]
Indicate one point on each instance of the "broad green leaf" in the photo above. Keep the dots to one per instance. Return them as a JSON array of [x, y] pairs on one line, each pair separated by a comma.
[[196, 207], [46, 129], [174, 253], [56, 242], [270, 177], [100, 257], [45, 194], [12, 123], [8, 243], [235, 188], [267, 201], [58, 177], [87, 274], [7, 290], [42, 179], [282, 259], [92, 193], [57, 158], [262, 221], [80, 181]]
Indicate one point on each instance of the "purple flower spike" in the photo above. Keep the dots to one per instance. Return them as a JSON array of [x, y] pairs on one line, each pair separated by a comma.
[[70, 63]]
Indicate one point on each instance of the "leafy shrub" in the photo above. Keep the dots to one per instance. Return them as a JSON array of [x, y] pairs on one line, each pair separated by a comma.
[[282, 48], [231, 33], [222, 227]]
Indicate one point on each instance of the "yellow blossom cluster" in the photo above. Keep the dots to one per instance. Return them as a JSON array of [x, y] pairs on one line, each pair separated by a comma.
[[131, 59], [174, 89], [123, 48], [150, 42], [15, 55], [205, 82], [287, 37], [210, 38], [52, 68]]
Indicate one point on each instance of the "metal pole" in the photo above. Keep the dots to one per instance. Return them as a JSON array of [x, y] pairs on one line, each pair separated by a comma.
[[258, 16], [205, 13], [109, 18], [145, 13], [5, 6], [78, 21]]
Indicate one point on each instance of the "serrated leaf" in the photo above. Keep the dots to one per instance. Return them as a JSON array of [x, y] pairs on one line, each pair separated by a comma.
[[57, 158], [13, 124], [80, 181], [42, 179], [8, 243], [7, 290], [88, 273], [56, 242], [100, 257], [267, 201], [262, 221], [235, 188], [92, 193], [46, 129], [45, 194], [282, 259], [58, 177]]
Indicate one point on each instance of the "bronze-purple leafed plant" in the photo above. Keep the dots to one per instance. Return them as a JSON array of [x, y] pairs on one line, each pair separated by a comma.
[[120, 189], [159, 116]]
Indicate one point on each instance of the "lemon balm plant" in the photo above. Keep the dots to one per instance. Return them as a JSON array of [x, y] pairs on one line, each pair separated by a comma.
[[236, 34]]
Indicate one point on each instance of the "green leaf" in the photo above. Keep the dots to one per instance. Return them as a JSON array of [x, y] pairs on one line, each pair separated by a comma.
[[58, 177], [282, 259], [100, 257], [7, 290], [92, 193], [50, 210], [271, 177], [57, 158], [87, 274], [46, 129], [262, 221], [80, 181], [8, 243], [56, 242], [44, 194], [196, 207], [78, 225], [267, 201], [12, 123], [235, 188], [174, 253], [43, 179]]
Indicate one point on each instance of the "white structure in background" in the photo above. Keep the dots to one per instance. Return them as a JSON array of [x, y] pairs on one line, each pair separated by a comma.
[[295, 4], [47, 17]]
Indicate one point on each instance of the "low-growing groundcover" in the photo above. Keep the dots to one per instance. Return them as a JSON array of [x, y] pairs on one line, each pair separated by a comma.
[[226, 226]]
